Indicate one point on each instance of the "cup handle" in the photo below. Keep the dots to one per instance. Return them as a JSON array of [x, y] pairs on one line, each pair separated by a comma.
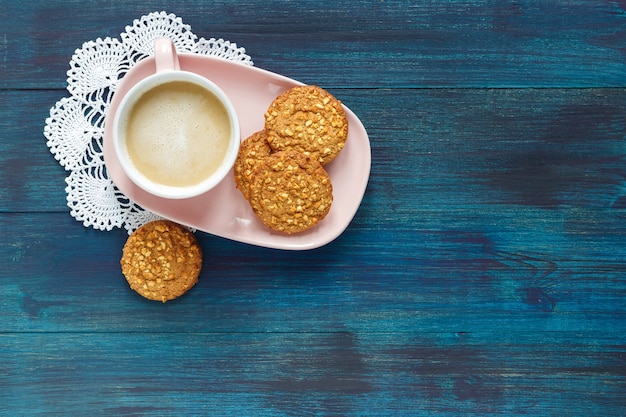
[[165, 55]]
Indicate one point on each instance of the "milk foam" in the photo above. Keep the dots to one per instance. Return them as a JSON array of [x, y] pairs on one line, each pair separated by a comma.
[[178, 134]]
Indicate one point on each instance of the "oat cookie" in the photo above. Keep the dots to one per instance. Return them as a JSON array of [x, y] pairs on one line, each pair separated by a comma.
[[161, 260], [307, 119], [290, 191], [251, 152]]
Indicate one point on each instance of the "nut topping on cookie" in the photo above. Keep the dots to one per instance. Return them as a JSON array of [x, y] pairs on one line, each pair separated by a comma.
[[307, 119], [290, 192], [161, 260]]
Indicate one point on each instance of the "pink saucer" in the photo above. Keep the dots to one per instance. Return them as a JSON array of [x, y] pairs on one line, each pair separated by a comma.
[[223, 211]]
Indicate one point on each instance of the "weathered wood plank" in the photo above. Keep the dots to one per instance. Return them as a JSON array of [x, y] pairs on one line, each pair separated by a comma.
[[470, 274], [482, 275], [312, 373], [30, 178], [430, 148], [453, 43]]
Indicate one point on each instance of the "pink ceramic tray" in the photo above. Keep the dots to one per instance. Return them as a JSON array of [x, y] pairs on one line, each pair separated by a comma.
[[223, 211]]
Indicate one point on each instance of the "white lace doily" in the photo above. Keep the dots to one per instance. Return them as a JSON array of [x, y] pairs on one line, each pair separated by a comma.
[[75, 128]]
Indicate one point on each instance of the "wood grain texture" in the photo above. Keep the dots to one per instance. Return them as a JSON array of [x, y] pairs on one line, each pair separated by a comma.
[[528, 147], [316, 373], [483, 274], [450, 43]]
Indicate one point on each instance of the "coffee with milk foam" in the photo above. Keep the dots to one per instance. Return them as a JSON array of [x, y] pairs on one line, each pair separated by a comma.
[[177, 134]]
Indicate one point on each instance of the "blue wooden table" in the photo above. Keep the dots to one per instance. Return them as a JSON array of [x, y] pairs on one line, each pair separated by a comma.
[[483, 274]]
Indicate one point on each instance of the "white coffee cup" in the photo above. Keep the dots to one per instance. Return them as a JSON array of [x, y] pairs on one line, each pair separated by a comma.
[[175, 133]]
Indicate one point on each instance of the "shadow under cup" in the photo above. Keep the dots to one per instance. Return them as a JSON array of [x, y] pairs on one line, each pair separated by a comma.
[[176, 134]]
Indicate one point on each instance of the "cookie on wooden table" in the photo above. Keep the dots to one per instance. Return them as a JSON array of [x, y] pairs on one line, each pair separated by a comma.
[[161, 260], [251, 152], [290, 191], [307, 119]]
